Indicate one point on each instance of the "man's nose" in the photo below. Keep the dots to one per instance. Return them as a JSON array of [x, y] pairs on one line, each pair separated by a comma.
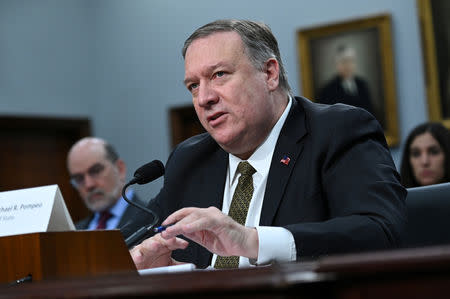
[[207, 96], [89, 182]]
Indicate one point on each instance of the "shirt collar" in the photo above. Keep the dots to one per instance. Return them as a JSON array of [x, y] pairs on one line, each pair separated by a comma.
[[263, 154]]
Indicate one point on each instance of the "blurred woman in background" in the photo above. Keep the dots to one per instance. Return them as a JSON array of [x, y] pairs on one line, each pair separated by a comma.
[[426, 156]]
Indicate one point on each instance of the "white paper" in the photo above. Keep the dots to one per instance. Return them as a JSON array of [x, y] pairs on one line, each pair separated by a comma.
[[31, 210], [169, 269]]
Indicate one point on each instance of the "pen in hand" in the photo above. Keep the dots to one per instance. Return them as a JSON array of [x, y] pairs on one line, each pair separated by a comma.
[[161, 228]]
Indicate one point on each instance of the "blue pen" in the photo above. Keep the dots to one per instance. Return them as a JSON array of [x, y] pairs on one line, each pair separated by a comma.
[[161, 228]]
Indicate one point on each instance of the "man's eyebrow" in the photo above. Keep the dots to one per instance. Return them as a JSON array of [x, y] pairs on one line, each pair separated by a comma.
[[185, 81], [97, 164], [207, 70]]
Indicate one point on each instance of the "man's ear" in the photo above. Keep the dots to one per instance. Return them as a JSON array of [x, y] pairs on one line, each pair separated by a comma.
[[272, 71], [122, 168]]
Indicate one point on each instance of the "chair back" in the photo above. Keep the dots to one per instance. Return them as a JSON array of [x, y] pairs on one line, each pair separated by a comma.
[[428, 216]]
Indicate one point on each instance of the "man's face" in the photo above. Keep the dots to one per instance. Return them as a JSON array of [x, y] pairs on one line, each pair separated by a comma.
[[346, 67], [233, 99], [98, 180]]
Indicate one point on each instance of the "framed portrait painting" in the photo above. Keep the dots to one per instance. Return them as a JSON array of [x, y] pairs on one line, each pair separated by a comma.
[[434, 16], [352, 63]]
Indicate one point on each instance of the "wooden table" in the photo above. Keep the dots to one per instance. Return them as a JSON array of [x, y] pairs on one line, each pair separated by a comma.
[[411, 273]]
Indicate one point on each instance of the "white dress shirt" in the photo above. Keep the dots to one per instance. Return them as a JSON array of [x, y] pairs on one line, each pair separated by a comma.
[[275, 243], [349, 85]]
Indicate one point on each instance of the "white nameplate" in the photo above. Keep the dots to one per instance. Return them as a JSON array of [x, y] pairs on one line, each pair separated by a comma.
[[33, 210]]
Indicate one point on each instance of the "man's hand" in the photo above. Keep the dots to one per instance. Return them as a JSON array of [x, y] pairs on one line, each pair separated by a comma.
[[156, 252], [213, 230]]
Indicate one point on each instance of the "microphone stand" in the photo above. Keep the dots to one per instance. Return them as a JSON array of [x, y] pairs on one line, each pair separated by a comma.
[[140, 234]]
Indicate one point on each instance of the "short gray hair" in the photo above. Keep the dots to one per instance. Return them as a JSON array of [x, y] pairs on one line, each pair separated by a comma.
[[259, 41], [110, 152]]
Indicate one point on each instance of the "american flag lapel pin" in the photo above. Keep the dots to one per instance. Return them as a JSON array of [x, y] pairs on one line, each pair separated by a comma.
[[285, 160]]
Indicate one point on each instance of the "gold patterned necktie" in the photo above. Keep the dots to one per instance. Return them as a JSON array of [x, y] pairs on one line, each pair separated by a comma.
[[238, 209]]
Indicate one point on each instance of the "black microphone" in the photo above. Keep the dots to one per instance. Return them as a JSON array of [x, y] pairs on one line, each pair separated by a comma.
[[147, 173], [143, 175]]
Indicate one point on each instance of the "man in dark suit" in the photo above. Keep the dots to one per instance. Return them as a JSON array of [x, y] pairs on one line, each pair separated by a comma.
[[276, 178], [98, 174], [346, 87]]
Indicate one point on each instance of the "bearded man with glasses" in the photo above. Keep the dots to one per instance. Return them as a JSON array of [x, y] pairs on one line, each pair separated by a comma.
[[98, 174]]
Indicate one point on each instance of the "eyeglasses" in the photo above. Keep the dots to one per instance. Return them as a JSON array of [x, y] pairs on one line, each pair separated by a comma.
[[77, 180]]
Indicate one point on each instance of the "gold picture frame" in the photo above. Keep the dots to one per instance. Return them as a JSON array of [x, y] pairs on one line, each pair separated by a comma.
[[370, 41], [436, 57]]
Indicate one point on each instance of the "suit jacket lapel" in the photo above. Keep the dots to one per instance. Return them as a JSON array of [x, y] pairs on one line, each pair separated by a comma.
[[212, 194], [218, 174], [214, 176], [289, 144], [84, 223]]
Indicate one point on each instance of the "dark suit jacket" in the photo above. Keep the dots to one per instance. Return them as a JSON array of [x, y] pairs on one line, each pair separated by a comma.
[[333, 93], [339, 193], [128, 219]]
